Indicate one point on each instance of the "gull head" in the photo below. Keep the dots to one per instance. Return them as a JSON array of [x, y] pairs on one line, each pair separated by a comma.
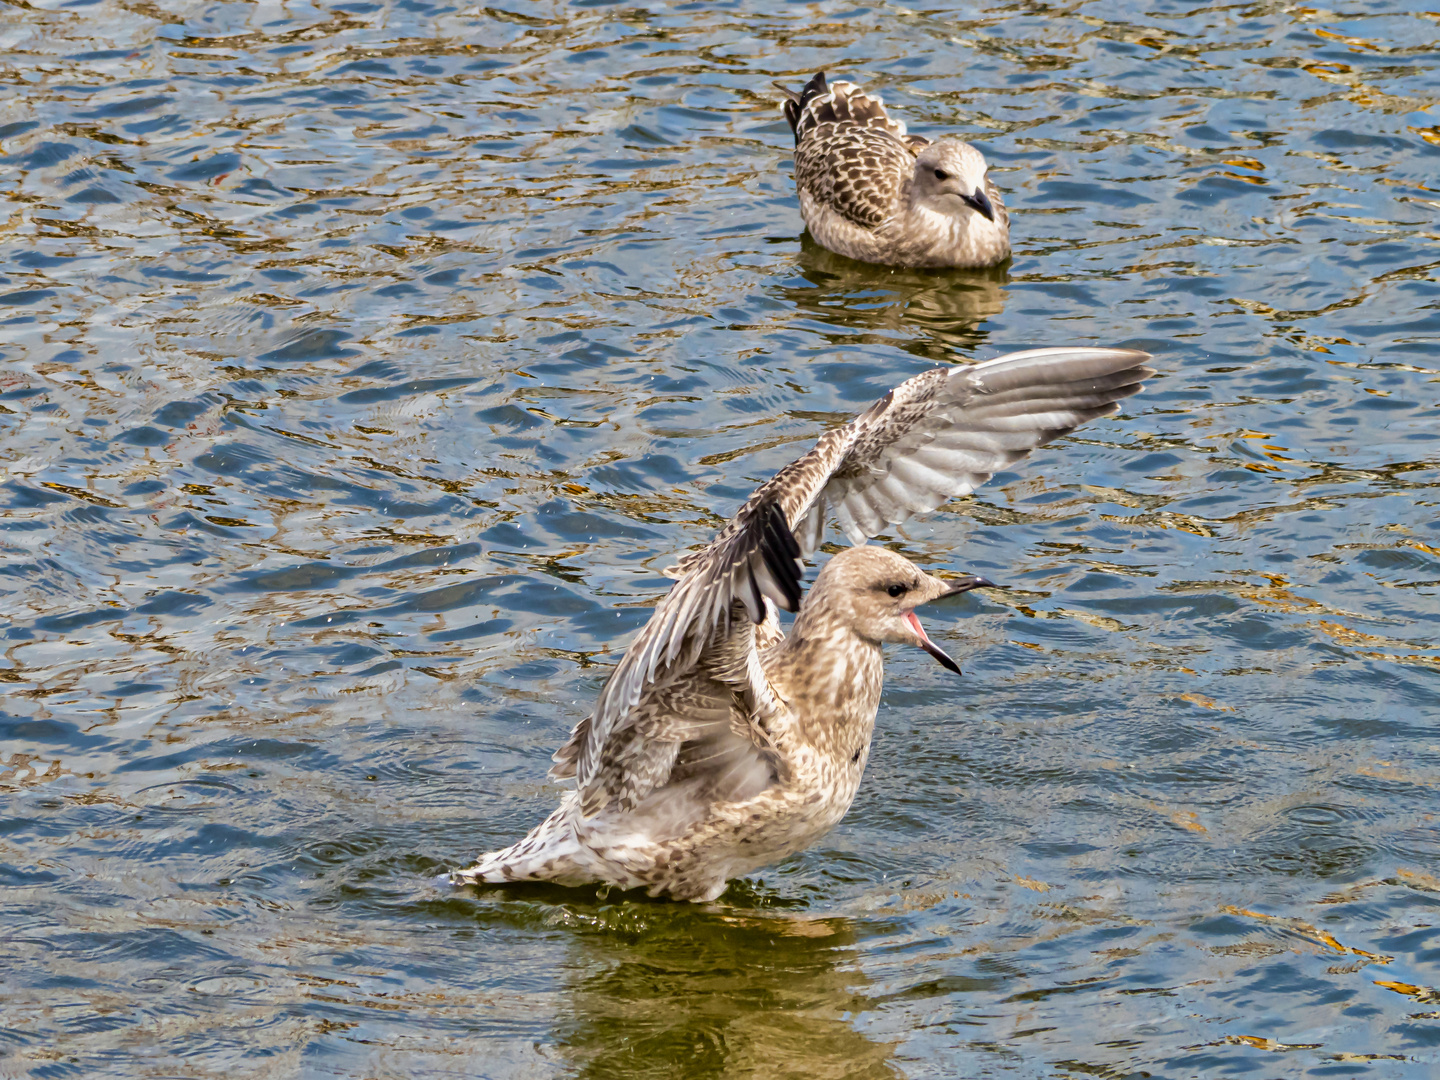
[[875, 592], [950, 179]]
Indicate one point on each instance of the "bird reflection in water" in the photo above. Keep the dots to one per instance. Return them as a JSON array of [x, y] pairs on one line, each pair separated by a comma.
[[679, 991], [932, 314]]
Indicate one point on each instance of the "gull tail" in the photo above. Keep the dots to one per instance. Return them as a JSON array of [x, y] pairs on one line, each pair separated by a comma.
[[550, 853], [795, 103]]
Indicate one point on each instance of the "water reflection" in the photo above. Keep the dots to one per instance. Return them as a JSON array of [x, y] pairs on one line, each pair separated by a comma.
[[933, 314], [720, 994], [360, 367]]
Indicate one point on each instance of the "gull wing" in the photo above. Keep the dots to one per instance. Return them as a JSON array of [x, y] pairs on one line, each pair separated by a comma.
[[697, 657], [694, 673], [850, 154], [945, 432]]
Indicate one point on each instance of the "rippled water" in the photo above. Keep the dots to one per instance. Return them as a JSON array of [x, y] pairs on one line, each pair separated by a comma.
[[363, 363]]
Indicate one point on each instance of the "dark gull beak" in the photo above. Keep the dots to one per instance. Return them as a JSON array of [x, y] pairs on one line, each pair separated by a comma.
[[980, 203], [965, 584]]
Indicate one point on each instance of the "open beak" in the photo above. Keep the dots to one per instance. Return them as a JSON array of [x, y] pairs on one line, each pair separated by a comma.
[[981, 203], [930, 647], [957, 586]]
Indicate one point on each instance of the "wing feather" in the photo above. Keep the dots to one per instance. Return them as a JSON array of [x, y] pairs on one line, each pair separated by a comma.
[[850, 153], [946, 431], [936, 436]]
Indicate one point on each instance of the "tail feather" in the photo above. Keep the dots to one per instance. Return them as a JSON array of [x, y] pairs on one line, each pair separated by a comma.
[[845, 102], [551, 852], [795, 103], [822, 102]]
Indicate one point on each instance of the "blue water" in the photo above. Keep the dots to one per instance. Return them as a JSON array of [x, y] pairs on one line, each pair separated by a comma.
[[361, 365]]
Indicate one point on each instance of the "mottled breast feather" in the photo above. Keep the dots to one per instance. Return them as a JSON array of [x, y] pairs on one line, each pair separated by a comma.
[[853, 156], [694, 669]]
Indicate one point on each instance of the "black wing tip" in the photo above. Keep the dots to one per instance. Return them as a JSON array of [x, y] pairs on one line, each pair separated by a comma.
[[757, 611], [781, 552], [776, 521], [795, 104], [816, 87]]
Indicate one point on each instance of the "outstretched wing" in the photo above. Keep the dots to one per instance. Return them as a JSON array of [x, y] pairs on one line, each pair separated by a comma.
[[693, 671], [948, 430], [934, 437]]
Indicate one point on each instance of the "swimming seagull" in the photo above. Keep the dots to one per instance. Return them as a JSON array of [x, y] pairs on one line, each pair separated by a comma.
[[719, 744], [872, 192]]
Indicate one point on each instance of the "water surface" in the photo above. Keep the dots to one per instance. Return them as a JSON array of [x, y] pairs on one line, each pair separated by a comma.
[[363, 364]]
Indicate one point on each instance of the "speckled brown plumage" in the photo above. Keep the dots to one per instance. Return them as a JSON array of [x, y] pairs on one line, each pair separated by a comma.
[[871, 191], [719, 745]]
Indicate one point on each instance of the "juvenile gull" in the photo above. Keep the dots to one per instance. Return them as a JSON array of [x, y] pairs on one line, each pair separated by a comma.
[[870, 191], [719, 744]]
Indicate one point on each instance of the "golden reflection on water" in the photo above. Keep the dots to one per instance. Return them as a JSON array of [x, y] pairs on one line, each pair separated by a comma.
[[364, 366], [742, 995], [935, 315]]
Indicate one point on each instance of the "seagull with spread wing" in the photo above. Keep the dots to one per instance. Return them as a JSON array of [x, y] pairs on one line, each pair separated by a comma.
[[869, 190], [720, 744]]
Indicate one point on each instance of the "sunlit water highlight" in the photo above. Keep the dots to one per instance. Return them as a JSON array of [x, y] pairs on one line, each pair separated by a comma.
[[364, 363]]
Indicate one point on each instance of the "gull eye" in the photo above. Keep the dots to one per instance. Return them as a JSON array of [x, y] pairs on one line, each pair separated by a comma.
[[941, 174], [896, 590]]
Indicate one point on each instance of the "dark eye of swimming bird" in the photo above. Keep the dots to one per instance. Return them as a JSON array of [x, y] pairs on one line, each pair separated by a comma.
[[896, 590], [941, 174]]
